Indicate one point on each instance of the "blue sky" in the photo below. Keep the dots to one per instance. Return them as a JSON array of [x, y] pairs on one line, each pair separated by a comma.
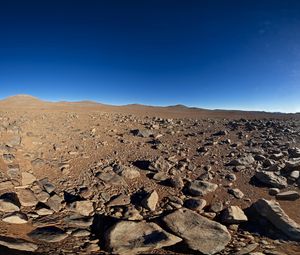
[[213, 54]]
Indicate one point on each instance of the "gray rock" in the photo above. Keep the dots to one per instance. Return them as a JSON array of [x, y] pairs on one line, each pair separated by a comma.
[[48, 234], [271, 179], [142, 133], [198, 232], [128, 237], [288, 195], [242, 161], [201, 188], [55, 203], [196, 204], [272, 211], [233, 215], [274, 191]]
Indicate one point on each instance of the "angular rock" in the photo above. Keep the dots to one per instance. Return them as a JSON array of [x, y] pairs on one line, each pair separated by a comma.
[[272, 211], [234, 215], [28, 178], [84, 208], [7, 206], [198, 232], [6, 185], [201, 188], [242, 161], [48, 234], [27, 197], [236, 193], [150, 201], [128, 237], [271, 179], [55, 203], [119, 200]]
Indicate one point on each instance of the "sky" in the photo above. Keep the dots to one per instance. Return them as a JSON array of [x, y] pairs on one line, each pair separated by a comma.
[[214, 54]]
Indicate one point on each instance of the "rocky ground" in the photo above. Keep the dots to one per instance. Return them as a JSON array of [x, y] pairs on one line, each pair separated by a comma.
[[83, 178]]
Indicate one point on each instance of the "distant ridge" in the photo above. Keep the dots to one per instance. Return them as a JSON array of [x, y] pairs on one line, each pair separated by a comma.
[[24, 101]]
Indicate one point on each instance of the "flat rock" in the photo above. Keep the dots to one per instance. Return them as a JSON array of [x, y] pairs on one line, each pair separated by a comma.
[[236, 193], [48, 234], [288, 195], [55, 202], [28, 178], [15, 218], [271, 179], [272, 211], [128, 237], [6, 185], [17, 244], [119, 200], [8, 206], [198, 232], [27, 197], [201, 188], [234, 215], [242, 161], [84, 208]]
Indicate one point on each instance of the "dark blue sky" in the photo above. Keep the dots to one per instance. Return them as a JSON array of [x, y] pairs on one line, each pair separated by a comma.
[[213, 54]]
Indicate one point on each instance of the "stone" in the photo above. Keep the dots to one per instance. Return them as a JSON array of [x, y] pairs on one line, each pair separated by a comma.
[[196, 204], [231, 177], [48, 186], [295, 175], [81, 233], [142, 133], [288, 195], [15, 218], [176, 182], [201, 188], [84, 208], [236, 193], [272, 211], [27, 197], [119, 200], [17, 244], [216, 207], [247, 249], [150, 201], [44, 211], [271, 179], [233, 215], [130, 173], [55, 203], [48, 234], [242, 161], [274, 191], [198, 232], [28, 178], [78, 220], [7, 206], [6, 185], [128, 237]]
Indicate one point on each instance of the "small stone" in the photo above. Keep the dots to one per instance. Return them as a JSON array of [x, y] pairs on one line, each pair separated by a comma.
[[274, 191], [150, 201], [27, 197], [55, 203], [119, 200], [195, 204], [236, 193], [84, 208], [233, 215], [201, 188], [288, 195], [15, 218], [28, 178], [17, 244]]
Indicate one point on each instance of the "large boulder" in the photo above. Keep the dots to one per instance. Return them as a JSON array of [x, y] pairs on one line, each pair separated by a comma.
[[271, 179], [128, 237], [198, 232], [272, 211]]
